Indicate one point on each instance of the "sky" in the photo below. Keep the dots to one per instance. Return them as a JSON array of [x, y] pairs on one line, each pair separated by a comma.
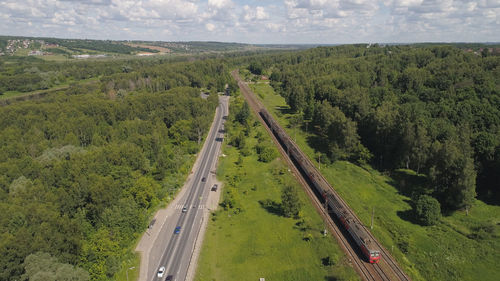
[[256, 21]]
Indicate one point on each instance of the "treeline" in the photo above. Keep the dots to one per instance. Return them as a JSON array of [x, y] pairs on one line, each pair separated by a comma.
[[210, 74], [26, 74], [82, 169], [98, 45], [435, 110], [199, 46]]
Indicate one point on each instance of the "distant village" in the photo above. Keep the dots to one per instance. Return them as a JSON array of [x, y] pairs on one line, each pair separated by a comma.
[[38, 48], [482, 51], [16, 44]]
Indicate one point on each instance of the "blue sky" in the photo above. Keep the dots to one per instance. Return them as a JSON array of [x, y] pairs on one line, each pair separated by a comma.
[[256, 21]]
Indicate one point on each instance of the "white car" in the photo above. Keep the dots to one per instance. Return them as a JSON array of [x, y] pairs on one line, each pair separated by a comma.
[[161, 272]]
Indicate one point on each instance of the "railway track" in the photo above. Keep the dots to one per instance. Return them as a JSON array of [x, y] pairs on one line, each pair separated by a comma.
[[387, 269]]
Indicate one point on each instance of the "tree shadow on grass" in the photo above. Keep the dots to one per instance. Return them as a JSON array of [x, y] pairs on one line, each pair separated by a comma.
[[331, 278], [409, 183], [271, 206], [408, 215], [284, 109], [304, 226], [317, 143]]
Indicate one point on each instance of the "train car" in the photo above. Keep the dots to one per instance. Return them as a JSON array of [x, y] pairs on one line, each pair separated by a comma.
[[364, 242], [355, 229]]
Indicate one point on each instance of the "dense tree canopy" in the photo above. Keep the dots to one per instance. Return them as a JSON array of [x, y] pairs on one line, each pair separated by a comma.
[[434, 109], [24, 74], [82, 169]]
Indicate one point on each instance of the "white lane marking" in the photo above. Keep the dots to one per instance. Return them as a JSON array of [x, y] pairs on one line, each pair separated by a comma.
[[178, 207], [215, 146]]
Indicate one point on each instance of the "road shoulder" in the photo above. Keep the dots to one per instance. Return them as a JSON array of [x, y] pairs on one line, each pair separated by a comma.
[[150, 236]]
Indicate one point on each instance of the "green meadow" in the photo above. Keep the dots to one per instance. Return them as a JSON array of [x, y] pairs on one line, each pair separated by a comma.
[[460, 247], [252, 239]]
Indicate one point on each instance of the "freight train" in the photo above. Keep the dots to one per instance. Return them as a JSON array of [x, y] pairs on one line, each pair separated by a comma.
[[324, 191]]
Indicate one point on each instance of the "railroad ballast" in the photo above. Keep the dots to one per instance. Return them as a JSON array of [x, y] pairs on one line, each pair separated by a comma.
[[323, 190]]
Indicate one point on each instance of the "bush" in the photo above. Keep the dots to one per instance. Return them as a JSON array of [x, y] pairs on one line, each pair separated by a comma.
[[246, 151], [427, 210], [266, 153], [327, 261], [243, 114], [307, 237], [290, 202]]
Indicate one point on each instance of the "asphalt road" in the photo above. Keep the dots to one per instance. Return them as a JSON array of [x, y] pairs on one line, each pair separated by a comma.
[[179, 248]]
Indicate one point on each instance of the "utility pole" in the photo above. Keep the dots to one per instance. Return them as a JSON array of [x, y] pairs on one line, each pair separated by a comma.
[[373, 214], [319, 160], [326, 211]]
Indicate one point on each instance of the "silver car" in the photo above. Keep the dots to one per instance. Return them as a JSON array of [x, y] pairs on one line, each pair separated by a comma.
[[161, 272]]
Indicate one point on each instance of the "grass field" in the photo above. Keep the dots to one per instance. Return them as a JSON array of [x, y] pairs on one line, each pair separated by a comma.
[[63, 86], [15, 94], [259, 241], [459, 247]]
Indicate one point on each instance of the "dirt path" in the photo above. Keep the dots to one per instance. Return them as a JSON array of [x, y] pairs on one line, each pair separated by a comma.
[[40, 93]]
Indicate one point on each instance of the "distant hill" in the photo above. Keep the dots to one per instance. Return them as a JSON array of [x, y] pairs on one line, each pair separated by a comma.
[[199, 46], [86, 48], [10, 45]]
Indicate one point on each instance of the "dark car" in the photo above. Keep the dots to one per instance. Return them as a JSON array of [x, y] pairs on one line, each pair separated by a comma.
[[177, 230], [214, 188], [204, 179], [169, 278]]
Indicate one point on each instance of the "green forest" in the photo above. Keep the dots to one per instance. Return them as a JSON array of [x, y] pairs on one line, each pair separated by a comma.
[[25, 74], [82, 169], [431, 109]]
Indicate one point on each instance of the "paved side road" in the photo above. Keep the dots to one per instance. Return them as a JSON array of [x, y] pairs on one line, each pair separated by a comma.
[[159, 246]]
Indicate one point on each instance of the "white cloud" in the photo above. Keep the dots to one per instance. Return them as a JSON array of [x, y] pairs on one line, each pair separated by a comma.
[[254, 13], [64, 18], [404, 3], [210, 26], [284, 21], [274, 27], [220, 4]]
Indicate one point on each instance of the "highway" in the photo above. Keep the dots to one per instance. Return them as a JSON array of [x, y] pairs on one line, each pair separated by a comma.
[[175, 250]]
